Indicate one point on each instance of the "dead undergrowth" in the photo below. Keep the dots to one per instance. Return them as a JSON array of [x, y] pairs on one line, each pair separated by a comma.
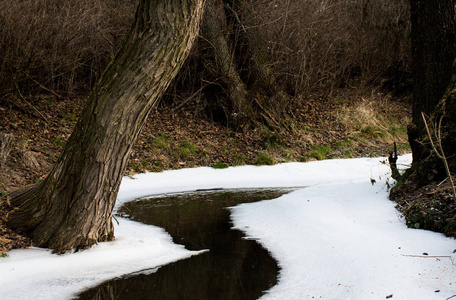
[[430, 207], [8, 238]]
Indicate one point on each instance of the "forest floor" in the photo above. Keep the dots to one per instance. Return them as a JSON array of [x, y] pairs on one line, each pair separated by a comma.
[[349, 124]]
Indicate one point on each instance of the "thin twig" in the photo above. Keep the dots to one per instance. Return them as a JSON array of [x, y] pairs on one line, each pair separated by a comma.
[[430, 136], [193, 96], [124, 205], [428, 256], [23, 99], [443, 181], [265, 112], [108, 40], [44, 88], [116, 219]]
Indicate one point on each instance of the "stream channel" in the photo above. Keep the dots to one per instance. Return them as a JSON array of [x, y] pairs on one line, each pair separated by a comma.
[[234, 268]]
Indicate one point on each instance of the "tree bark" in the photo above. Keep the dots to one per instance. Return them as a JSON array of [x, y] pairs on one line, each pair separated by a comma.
[[433, 53], [445, 116], [72, 208]]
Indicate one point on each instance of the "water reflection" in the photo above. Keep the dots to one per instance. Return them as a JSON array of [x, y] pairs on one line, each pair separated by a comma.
[[234, 268]]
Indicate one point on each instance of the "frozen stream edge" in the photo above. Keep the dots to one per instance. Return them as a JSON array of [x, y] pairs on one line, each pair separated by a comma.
[[340, 238]]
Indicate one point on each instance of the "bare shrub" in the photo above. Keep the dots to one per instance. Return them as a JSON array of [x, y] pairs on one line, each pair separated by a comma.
[[64, 46], [322, 44], [56, 45]]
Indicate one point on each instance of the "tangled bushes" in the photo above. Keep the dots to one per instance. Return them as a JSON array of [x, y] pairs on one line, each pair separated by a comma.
[[326, 44], [316, 44], [59, 46]]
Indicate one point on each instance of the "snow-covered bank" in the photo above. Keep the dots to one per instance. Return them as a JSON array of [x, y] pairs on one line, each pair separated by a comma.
[[345, 241], [36, 273], [339, 238]]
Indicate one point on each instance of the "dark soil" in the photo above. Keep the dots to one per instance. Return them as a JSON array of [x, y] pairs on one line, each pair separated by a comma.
[[314, 128], [429, 205]]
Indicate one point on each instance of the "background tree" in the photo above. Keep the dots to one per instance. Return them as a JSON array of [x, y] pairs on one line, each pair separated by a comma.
[[234, 66], [72, 208], [215, 29]]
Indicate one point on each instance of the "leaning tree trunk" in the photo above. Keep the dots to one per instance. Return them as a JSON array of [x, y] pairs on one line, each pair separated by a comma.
[[72, 208], [433, 53]]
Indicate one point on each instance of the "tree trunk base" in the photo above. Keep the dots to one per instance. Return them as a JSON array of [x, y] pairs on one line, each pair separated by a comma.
[[49, 230]]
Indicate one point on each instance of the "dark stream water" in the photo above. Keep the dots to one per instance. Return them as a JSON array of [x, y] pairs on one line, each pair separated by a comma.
[[234, 268]]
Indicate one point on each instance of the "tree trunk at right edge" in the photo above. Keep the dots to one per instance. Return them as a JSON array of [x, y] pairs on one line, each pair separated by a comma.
[[446, 109], [433, 53]]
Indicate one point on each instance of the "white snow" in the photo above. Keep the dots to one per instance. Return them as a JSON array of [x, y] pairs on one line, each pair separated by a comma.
[[336, 237], [36, 273]]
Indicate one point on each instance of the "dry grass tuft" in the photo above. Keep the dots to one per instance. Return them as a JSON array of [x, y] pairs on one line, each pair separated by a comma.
[[374, 119]]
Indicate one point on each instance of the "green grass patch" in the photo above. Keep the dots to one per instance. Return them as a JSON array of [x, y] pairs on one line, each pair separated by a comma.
[[239, 160], [145, 164], [140, 166], [220, 165], [374, 132], [161, 142], [404, 148], [265, 159], [191, 147], [288, 154], [304, 158], [59, 142], [347, 154], [320, 152], [158, 167], [271, 139], [185, 151], [343, 144], [397, 131]]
